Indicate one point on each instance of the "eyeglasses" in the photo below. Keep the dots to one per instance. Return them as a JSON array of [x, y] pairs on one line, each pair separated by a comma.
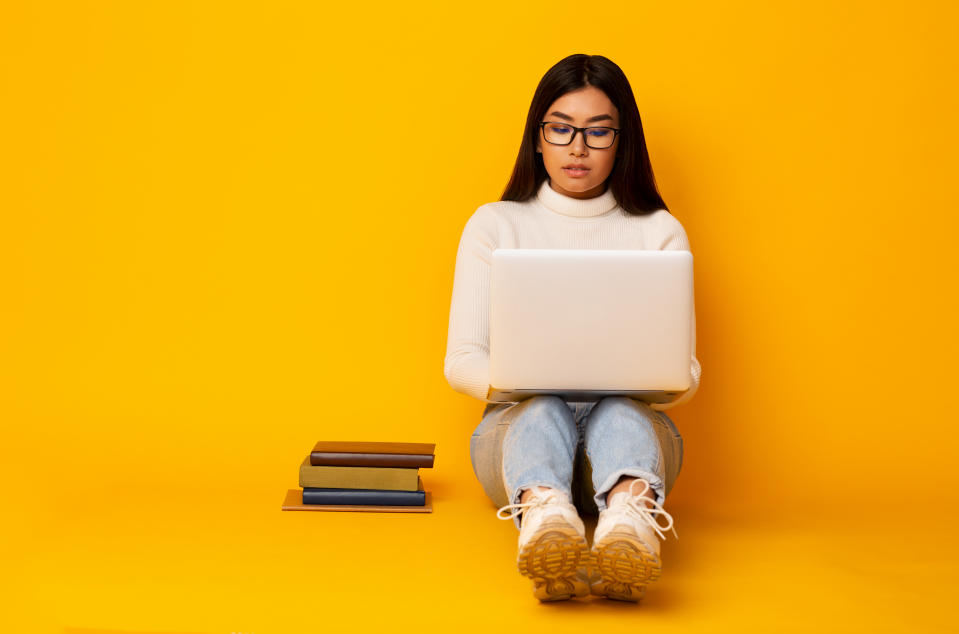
[[598, 138]]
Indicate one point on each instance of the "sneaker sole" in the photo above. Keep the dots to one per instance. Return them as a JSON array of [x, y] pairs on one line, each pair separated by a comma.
[[625, 565], [556, 558]]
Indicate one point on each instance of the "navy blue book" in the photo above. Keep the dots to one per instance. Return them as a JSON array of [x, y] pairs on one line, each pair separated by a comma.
[[317, 495]]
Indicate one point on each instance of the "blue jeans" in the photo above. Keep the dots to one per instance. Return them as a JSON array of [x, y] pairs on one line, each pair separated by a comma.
[[581, 449]]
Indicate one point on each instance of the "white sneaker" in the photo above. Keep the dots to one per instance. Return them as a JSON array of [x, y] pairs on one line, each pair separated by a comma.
[[626, 545], [553, 551]]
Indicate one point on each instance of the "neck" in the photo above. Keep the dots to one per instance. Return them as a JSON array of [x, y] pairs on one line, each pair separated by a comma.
[[575, 207]]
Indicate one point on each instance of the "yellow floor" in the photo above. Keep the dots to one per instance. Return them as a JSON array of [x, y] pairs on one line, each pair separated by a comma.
[[199, 562]]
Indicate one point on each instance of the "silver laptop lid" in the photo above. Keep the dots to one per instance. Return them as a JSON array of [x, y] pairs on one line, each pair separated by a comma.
[[576, 321]]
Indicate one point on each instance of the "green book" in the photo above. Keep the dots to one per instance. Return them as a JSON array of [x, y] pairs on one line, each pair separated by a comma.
[[389, 478]]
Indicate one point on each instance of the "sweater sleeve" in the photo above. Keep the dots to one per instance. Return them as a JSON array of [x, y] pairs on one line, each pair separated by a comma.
[[467, 346], [676, 240]]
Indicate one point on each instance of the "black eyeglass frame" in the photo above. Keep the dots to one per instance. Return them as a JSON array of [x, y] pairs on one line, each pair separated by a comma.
[[542, 125]]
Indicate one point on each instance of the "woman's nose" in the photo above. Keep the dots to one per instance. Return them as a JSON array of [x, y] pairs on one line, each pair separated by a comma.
[[578, 144]]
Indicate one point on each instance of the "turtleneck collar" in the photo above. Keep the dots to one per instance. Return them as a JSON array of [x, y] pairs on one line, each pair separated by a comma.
[[576, 207]]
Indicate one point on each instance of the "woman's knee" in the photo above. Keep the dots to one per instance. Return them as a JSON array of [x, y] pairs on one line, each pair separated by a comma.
[[544, 406], [623, 405], [542, 414], [620, 417]]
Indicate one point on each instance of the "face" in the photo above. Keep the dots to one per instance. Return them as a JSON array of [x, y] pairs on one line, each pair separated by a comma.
[[588, 106]]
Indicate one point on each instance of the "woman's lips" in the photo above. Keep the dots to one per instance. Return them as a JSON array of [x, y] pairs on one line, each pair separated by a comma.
[[575, 172]]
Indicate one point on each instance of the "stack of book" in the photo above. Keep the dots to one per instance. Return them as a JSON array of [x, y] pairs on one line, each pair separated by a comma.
[[363, 476]]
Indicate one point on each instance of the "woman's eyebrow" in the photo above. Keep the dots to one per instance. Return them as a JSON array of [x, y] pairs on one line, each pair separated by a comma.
[[599, 117]]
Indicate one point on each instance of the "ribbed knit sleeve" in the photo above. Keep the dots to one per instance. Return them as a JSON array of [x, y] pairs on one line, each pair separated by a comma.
[[675, 239], [467, 345]]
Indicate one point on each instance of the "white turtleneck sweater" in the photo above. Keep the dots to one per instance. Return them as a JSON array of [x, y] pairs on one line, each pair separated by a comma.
[[549, 220]]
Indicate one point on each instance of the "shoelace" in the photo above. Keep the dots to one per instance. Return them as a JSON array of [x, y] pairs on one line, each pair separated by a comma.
[[537, 498], [638, 509]]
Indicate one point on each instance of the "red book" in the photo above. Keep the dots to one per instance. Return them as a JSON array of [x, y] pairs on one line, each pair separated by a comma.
[[372, 454]]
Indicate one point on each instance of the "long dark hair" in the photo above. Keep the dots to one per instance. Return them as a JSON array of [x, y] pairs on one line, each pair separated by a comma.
[[631, 180]]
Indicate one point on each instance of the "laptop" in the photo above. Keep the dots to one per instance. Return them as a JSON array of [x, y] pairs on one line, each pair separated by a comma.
[[584, 324]]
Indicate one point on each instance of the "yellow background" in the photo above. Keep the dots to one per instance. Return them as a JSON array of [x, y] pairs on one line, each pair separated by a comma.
[[229, 230]]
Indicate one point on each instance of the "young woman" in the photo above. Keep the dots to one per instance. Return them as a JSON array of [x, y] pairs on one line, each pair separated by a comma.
[[582, 180]]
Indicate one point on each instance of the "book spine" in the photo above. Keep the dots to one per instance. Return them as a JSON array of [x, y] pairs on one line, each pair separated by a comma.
[[363, 496], [319, 458], [336, 477]]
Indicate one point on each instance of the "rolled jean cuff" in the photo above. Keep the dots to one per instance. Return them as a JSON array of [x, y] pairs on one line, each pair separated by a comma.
[[655, 483], [518, 492]]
